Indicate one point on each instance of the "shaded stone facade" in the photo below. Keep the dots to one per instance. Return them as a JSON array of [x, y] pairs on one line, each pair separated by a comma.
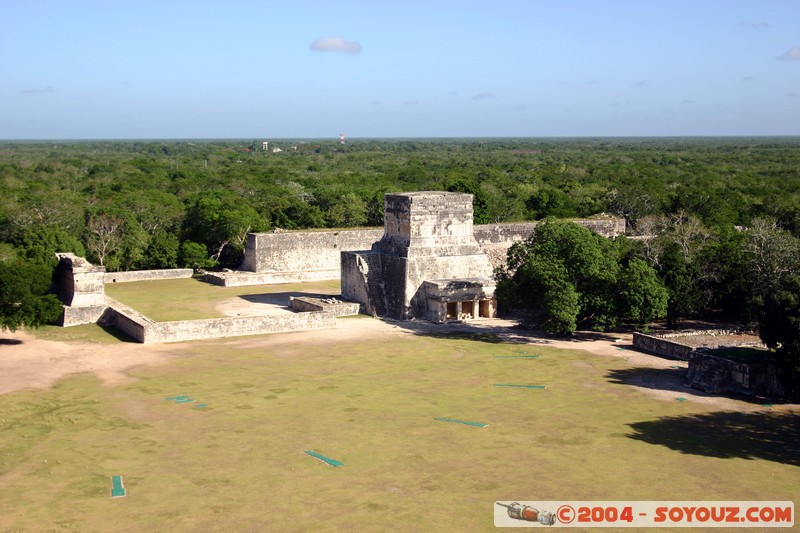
[[427, 263]]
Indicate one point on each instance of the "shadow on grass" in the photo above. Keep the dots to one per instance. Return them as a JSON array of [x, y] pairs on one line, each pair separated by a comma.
[[10, 342], [670, 379], [761, 435]]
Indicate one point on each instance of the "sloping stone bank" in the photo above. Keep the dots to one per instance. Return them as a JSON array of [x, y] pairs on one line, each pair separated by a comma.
[[146, 330]]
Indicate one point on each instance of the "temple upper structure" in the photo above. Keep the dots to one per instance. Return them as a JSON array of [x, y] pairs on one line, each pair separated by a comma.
[[427, 264]]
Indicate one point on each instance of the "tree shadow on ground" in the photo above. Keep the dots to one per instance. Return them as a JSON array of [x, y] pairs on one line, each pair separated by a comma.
[[669, 379], [495, 331], [10, 342], [673, 379], [771, 436]]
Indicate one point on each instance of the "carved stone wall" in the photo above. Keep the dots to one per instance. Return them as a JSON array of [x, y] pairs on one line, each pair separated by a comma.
[[427, 236]]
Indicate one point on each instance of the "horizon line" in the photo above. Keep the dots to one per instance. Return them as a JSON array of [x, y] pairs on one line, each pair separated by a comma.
[[335, 139]]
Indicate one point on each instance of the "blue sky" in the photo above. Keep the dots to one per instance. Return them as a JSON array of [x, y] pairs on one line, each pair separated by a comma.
[[303, 68]]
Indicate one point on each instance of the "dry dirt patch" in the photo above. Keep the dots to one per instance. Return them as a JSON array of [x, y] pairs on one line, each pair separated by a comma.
[[33, 363], [37, 363]]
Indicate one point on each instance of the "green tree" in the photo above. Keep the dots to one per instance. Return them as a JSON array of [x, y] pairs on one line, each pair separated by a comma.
[[104, 238], [221, 220], [779, 328], [574, 276], [682, 280], [547, 283], [194, 255], [642, 297], [162, 252], [350, 210], [24, 301], [39, 243]]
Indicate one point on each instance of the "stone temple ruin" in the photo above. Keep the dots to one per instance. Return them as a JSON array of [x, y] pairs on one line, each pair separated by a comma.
[[427, 264]]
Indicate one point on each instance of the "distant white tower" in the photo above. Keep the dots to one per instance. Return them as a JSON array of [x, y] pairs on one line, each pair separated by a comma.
[[265, 145], [341, 138]]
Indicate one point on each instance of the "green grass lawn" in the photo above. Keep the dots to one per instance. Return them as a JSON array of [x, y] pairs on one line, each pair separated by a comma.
[[239, 463], [191, 299]]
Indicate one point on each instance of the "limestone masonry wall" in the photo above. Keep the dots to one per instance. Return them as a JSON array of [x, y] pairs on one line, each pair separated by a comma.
[[711, 373], [148, 275], [716, 375], [661, 346], [145, 330], [80, 283], [306, 304], [75, 316], [304, 251], [213, 328], [127, 320], [315, 255]]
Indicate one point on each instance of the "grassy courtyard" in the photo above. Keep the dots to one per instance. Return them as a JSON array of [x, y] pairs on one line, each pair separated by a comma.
[[191, 299], [233, 458]]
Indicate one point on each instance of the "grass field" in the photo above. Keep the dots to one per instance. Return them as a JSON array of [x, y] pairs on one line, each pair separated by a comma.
[[238, 464], [190, 299]]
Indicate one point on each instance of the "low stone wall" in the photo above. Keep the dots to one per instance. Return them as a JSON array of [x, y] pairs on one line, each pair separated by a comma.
[[213, 328], [661, 346], [681, 344], [75, 316], [148, 275], [715, 375], [306, 304], [126, 319], [711, 373], [241, 279], [145, 330]]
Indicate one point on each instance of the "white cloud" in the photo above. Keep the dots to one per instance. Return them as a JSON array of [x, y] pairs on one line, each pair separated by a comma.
[[48, 89], [485, 95], [335, 44], [792, 54]]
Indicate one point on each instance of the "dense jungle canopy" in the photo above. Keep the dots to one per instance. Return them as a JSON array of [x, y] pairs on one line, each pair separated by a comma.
[[715, 222]]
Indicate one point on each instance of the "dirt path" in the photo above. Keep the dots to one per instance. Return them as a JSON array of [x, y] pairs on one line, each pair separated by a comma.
[[27, 362]]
